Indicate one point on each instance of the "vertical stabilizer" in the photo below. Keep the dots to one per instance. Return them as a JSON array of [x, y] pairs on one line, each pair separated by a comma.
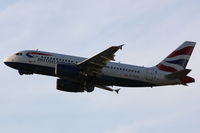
[[178, 59]]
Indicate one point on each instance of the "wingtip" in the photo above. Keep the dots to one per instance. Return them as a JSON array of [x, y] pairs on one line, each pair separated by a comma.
[[120, 46], [117, 91]]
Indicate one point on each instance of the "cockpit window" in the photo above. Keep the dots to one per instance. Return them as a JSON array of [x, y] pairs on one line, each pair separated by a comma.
[[29, 55], [19, 54]]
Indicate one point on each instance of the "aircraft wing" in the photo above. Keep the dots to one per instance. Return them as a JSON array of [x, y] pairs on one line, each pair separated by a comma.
[[94, 65]]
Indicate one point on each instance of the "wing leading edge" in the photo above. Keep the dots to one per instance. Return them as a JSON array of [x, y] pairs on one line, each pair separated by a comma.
[[94, 65]]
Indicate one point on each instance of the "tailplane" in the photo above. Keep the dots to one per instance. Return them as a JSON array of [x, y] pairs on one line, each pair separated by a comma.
[[178, 74], [178, 59], [182, 76]]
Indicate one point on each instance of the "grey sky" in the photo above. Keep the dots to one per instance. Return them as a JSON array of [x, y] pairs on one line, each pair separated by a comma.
[[150, 29]]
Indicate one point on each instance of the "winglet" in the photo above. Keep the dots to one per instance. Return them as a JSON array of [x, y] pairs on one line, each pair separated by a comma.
[[120, 46], [117, 91]]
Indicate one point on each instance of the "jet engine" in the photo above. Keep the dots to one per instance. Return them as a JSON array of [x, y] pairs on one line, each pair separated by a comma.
[[68, 86]]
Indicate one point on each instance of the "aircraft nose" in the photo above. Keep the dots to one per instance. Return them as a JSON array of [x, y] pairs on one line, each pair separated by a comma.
[[7, 61]]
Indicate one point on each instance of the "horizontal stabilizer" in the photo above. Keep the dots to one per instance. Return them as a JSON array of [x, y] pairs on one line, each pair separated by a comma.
[[187, 79], [178, 74]]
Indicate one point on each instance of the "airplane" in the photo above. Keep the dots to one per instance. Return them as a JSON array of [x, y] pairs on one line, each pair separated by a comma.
[[77, 74]]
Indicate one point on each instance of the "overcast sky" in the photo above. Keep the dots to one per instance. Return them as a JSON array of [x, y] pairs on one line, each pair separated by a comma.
[[150, 30]]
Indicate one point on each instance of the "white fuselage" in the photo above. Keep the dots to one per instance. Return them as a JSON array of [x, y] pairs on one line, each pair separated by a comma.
[[118, 70]]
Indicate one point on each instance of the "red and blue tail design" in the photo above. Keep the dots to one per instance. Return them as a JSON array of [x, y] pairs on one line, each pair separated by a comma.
[[178, 59]]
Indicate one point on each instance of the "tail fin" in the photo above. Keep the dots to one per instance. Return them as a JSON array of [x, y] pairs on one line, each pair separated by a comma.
[[178, 59]]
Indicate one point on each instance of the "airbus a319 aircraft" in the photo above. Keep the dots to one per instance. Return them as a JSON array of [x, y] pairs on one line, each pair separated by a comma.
[[77, 74]]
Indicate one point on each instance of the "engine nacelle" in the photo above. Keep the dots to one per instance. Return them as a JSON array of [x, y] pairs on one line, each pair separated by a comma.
[[67, 70], [65, 85]]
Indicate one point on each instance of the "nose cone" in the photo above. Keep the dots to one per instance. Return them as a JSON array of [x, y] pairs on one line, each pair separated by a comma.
[[8, 61], [5, 60]]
